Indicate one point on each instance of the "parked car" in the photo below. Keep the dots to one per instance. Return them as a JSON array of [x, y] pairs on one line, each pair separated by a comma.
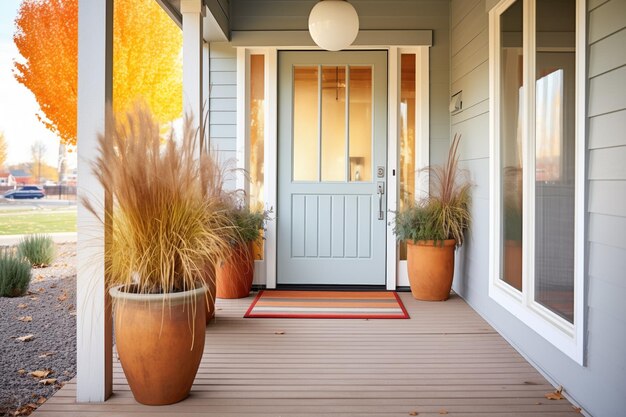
[[27, 191]]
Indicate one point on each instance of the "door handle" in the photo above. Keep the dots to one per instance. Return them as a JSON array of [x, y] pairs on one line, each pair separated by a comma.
[[380, 190]]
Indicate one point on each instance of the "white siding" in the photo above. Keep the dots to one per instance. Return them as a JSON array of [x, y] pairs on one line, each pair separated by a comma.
[[223, 105], [597, 387]]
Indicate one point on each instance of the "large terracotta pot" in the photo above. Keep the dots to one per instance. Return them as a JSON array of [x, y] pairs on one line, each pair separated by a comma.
[[160, 341], [431, 269], [234, 276], [209, 283], [512, 268]]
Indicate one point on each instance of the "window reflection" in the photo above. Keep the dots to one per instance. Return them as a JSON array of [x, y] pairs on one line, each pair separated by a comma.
[[555, 144], [511, 95], [549, 128]]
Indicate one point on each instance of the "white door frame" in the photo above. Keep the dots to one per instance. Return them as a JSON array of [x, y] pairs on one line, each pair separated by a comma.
[[265, 270]]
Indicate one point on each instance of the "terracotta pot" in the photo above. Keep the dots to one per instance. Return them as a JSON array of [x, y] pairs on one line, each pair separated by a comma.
[[234, 276], [512, 267], [209, 283], [431, 269], [160, 341], [258, 249]]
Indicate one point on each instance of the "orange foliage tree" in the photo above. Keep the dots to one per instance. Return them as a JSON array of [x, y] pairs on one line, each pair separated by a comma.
[[147, 61]]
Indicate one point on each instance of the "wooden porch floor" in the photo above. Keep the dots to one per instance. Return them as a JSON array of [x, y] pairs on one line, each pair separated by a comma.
[[444, 360]]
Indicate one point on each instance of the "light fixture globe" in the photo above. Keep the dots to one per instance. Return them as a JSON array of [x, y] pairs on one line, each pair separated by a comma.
[[333, 24]]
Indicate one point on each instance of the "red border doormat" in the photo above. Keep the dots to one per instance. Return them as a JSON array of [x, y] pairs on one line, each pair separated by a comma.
[[327, 305]]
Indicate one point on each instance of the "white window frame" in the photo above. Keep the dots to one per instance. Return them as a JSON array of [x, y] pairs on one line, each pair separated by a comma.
[[265, 270], [567, 337]]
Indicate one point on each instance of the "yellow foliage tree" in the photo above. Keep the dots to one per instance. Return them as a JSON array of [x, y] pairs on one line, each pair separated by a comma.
[[147, 63], [3, 149]]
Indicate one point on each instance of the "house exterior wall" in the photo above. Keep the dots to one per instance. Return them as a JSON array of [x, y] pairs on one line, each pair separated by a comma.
[[598, 386]]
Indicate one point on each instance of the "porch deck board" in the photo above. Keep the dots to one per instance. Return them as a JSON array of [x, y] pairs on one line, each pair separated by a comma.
[[444, 359]]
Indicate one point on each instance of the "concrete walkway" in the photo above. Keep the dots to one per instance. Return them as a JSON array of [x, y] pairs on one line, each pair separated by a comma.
[[10, 240]]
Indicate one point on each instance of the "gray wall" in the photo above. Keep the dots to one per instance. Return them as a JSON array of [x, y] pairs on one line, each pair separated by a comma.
[[598, 387], [387, 14], [223, 105]]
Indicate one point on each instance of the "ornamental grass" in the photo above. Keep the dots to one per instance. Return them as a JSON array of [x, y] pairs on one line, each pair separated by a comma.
[[38, 249], [14, 274], [168, 219], [445, 213]]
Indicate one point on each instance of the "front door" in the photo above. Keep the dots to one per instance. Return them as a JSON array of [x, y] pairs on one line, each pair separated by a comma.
[[332, 157]]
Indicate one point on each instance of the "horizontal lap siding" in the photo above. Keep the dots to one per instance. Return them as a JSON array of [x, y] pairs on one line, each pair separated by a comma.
[[223, 105], [597, 387], [607, 205], [387, 14], [469, 73]]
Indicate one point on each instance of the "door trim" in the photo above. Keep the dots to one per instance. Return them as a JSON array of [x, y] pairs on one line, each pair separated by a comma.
[[265, 270]]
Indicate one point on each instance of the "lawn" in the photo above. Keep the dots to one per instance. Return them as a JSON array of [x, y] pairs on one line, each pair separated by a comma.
[[16, 222]]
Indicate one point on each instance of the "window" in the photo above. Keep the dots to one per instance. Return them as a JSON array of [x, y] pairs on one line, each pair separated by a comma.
[[257, 141], [407, 116], [332, 118], [257, 129], [537, 176]]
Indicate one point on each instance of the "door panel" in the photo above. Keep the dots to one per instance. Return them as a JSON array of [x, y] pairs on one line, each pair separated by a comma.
[[332, 139]]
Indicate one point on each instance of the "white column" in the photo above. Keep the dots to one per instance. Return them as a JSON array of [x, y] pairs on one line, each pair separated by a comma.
[[193, 12], [93, 321]]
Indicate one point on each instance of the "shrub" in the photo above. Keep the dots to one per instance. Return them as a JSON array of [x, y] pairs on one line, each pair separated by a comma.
[[38, 249], [418, 222], [248, 223], [14, 274]]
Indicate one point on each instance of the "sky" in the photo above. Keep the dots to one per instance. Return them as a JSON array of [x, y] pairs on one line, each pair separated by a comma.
[[18, 106]]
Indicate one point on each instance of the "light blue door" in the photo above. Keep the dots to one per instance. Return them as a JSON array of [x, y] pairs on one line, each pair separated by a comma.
[[332, 153]]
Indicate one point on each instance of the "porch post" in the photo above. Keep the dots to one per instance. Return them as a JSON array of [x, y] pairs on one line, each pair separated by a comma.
[[193, 12], [93, 320]]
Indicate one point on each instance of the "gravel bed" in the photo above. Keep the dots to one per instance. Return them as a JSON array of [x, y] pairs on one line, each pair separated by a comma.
[[48, 313]]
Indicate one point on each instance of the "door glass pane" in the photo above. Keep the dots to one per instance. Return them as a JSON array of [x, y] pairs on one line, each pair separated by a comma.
[[257, 136], [555, 156], [360, 123], [407, 135], [305, 123], [511, 91], [334, 123]]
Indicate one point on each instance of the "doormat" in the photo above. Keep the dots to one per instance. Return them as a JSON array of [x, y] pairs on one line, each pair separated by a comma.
[[327, 305]]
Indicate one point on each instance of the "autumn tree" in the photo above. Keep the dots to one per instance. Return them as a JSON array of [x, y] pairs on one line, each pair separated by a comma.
[[4, 149], [146, 60]]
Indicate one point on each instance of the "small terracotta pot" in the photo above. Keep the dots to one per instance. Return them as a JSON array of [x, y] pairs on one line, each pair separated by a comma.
[[258, 249], [431, 269], [234, 276], [160, 341], [512, 267]]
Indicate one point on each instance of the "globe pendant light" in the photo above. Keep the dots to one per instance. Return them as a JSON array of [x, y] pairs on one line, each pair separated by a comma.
[[333, 24]]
